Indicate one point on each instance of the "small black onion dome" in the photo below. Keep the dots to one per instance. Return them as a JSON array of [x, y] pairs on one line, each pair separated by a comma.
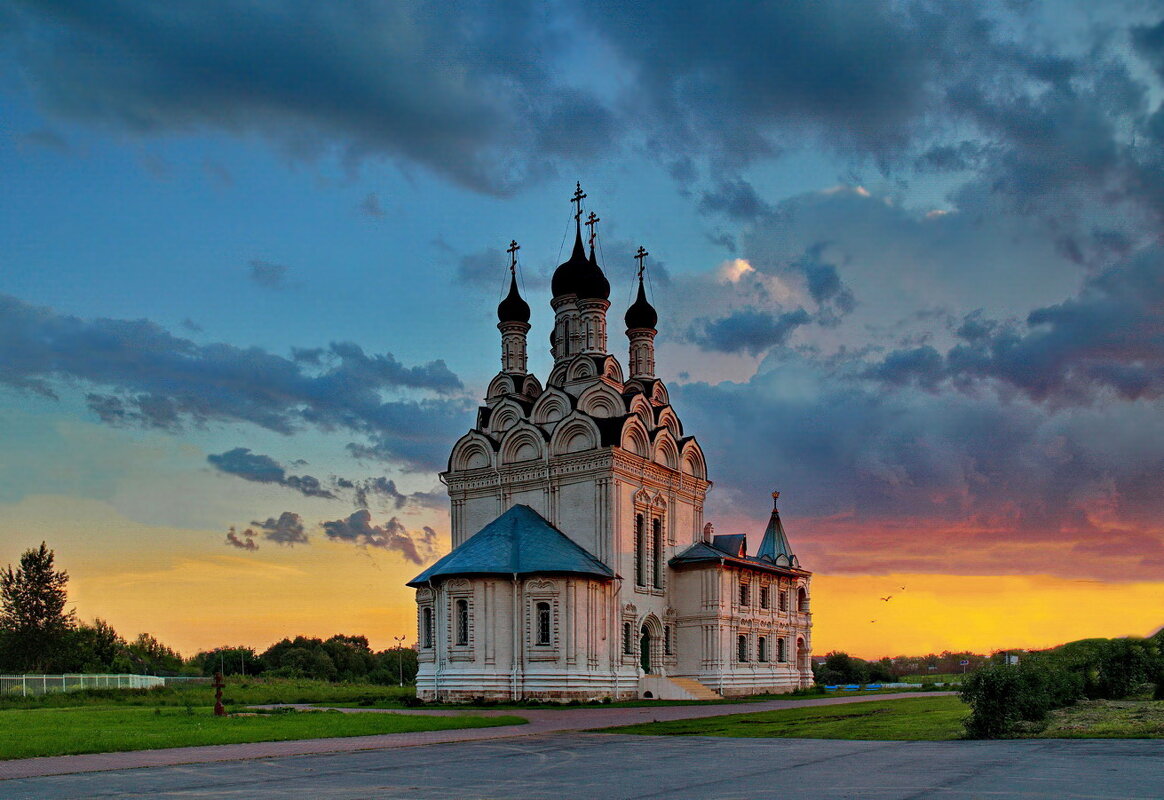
[[513, 308], [641, 314], [570, 275], [593, 284]]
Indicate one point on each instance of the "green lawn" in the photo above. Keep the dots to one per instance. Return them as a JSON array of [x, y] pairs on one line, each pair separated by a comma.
[[1106, 719], [64, 731], [238, 692], [923, 718]]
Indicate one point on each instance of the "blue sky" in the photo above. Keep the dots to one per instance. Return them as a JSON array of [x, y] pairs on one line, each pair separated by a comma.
[[907, 259]]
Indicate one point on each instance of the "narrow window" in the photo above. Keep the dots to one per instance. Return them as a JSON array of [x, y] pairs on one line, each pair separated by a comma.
[[744, 594], [781, 650], [742, 648], [657, 547], [763, 597], [462, 622], [666, 640], [543, 623], [783, 600], [640, 566], [628, 646], [762, 649], [426, 628], [802, 600]]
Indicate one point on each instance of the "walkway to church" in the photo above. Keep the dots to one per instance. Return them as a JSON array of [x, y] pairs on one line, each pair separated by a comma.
[[541, 760]]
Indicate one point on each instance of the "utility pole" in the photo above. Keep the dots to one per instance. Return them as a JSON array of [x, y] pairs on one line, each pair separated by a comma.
[[400, 656]]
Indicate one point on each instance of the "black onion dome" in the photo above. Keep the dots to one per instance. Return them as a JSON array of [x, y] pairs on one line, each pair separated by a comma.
[[571, 274], [513, 308], [641, 314], [594, 284]]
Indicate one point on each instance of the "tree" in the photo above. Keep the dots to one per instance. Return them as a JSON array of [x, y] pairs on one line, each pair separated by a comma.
[[33, 622]]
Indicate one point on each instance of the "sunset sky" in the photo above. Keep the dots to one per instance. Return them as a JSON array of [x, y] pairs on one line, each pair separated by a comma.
[[908, 259]]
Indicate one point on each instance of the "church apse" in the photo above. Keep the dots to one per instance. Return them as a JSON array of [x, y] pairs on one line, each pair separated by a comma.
[[579, 567]]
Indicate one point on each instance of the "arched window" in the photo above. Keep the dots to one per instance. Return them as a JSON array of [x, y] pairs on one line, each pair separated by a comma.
[[802, 600], [742, 648], [628, 644], [640, 565], [782, 650], [426, 627], [462, 618], [666, 640], [762, 648], [543, 615], [657, 552]]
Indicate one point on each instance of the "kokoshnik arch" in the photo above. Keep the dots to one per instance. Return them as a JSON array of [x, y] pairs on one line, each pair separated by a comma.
[[581, 566]]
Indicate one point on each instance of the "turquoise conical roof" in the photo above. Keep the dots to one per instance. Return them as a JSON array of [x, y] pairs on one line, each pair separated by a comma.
[[774, 543]]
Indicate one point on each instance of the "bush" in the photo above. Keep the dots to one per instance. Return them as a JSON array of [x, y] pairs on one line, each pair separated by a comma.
[[1002, 696]]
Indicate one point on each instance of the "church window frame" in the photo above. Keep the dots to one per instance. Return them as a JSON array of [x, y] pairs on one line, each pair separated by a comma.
[[426, 628], [668, 650], [762, 649], [744, 596], [544, 621], [783, 601], [628, 645], [640, 551], [461, 622], [782, 650], [765, 600], [658, 553], [802, 600], [742, 648]]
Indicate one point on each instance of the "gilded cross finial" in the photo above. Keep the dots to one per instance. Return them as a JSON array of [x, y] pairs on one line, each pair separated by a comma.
[[513, 248], [640, 255], [775, 497], [591, 222], [577, 199]]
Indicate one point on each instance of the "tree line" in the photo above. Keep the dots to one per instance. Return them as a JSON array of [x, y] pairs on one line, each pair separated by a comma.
[[38, 635]]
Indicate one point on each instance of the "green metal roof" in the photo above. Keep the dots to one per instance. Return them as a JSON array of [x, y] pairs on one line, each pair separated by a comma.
[[519, 542], [774, 543]]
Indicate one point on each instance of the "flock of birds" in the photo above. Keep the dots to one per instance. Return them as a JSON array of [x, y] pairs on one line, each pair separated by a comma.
[[886, 599]]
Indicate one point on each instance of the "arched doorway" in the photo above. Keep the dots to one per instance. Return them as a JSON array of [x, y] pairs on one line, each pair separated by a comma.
[[645, 649]]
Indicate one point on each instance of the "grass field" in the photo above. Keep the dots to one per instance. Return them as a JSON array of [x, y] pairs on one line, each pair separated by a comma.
[[238, 692], [88, 729], [933, 677], [1107, 719], [923, 718]]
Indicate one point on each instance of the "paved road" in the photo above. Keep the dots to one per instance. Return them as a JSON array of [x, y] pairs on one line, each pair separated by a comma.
[[609, 766]]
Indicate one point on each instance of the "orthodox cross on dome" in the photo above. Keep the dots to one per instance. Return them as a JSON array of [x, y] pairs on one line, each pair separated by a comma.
[[640, 255], [577, 199], [513, 248], [591, 222]]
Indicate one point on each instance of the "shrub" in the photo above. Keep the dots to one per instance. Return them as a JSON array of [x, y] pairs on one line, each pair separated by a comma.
[[1001, 696]]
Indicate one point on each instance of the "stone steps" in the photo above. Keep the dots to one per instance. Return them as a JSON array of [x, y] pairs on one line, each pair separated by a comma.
[[694, 687]]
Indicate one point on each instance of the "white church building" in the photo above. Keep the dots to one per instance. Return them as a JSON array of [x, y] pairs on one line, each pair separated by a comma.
[[581, 566]]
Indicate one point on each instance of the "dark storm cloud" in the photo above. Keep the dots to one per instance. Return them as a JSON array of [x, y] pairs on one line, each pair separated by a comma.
[[735, 199], [268, 275], [287, 530], [750, 330], [466, 92], [249, 466], [386, 488], [143, 375], [417, 547], [1109, 337]]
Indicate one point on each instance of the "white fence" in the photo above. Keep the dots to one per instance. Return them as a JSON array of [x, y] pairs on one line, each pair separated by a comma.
[[25, 685]]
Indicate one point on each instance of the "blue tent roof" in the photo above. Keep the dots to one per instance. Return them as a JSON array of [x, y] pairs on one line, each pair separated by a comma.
[[774, 543], [519, 542]]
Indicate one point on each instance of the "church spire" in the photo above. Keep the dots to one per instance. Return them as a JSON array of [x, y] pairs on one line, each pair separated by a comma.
[[775, 543], [641, 319], [513, 321]]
